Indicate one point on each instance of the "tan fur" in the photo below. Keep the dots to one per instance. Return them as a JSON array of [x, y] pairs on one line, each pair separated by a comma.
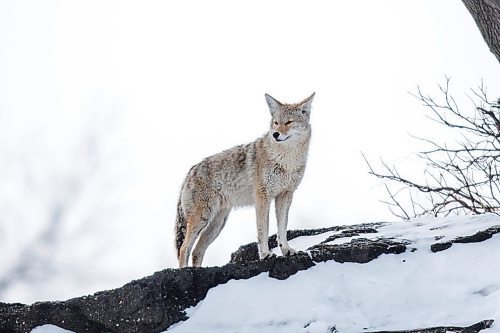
[[267, 169]]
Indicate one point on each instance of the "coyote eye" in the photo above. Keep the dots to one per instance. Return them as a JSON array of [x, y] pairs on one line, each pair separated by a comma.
[[275, 123], [289, 122]]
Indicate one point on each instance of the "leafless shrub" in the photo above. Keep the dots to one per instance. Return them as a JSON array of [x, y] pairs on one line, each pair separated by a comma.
[[460, 178]]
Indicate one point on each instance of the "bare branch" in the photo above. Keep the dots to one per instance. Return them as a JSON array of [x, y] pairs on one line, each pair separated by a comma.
[[459, 178]]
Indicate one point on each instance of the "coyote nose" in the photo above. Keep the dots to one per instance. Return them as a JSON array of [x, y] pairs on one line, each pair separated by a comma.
[[276, 135]]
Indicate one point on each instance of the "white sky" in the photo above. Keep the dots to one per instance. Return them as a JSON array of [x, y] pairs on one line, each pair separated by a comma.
[[178, 81]]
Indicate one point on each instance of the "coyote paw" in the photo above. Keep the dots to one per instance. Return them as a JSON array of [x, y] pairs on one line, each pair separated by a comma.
[[267, 255], [288, 251]]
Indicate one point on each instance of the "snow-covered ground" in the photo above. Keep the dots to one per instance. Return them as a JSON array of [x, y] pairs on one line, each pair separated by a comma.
[[417, 289], [49, 329]]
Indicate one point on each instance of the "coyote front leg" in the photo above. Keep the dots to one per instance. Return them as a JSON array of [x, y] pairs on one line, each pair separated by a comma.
[[282, 204], [262, 204]]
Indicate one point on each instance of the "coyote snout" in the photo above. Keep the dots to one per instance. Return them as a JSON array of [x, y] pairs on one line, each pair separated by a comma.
[[257, 173], [280, 137]]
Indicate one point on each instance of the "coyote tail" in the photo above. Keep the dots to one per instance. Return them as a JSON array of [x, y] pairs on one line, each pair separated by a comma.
[[180, 228]]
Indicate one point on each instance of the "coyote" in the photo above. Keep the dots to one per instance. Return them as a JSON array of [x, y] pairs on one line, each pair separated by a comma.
[[270, 168]]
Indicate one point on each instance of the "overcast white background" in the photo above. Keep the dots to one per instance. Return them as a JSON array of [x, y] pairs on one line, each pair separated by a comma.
[[109, 103]]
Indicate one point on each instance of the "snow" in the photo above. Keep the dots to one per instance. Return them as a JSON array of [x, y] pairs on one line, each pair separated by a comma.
[[456, 287], [49, 329]]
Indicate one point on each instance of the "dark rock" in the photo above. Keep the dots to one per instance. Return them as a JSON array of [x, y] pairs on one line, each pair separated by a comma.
[[331, 329], [249, 252], [349, 233], [451, 329], [479, 236], [359, 250], [245, 253], [436, 247], [284, 267], [150, 304]]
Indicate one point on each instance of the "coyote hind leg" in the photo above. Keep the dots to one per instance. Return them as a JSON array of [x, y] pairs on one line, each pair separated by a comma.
[[195, 224], [208, 235]]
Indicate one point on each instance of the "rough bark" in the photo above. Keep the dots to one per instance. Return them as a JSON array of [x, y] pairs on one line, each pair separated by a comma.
[[486, 13]]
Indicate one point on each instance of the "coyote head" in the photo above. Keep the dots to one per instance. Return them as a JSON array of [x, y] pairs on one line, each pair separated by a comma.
[[289, 122]]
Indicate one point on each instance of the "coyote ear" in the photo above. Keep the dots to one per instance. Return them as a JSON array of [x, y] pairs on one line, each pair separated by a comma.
[[305, 105], [273, 104]]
